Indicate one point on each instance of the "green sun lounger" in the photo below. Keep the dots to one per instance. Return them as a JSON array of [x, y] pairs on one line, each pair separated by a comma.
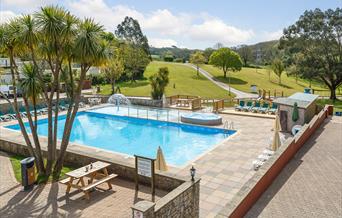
[[256, 107], [240, 106], [264, 108], [273, 109], [248, 106]]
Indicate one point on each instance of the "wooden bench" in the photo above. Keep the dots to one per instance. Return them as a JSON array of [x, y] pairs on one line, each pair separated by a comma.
[[64, 181], [87, 188]]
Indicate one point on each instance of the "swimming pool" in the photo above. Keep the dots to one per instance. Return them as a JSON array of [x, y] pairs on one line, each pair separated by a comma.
[[181, 143]]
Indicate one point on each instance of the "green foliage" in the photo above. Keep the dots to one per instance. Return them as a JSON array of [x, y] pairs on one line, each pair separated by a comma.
[[159, 81], [135, 60], [226, 59], [129, 30], [114, 68], [30, 83], [278, 68], [313, 43], [97, 79], [168, 56], [15, 161], [176, 52], [245, 53], [197, 58], [179, 60]]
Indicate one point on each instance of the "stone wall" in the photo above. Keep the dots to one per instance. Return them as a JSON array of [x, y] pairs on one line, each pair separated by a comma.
[[143, 101], [182, 202], [124, 170], [261, 180]]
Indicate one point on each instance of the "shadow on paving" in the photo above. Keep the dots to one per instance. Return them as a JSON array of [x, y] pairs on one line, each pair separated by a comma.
[[284, 175], [50, 200]]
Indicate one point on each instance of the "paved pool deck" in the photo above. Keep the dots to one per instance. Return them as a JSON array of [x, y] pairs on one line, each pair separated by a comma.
[[310, 184], [50, 200], [223, 170]]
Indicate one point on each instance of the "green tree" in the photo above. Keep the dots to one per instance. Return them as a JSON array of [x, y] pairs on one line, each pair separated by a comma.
[[129, 30], [52, 39], [168, 56], [278, 68], [317, 37], [135, 61], [159, 81], [114, 68], [197, 58], [226, 59], [207, 52], [245, 53]]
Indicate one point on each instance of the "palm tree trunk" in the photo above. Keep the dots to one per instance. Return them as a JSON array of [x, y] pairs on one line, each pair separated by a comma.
[[68, 125]]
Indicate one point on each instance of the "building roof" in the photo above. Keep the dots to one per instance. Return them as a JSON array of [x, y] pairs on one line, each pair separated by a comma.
[[303, 100]]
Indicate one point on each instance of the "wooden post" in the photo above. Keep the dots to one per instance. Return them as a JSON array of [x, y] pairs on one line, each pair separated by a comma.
[[153, 179], [136, 174]]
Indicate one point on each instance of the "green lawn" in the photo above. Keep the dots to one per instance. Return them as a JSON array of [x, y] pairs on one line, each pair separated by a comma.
[[183, 80], [337, 104], [15, 160], [242, 80]]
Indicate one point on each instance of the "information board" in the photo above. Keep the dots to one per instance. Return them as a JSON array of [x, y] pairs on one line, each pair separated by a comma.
[[144, 167]]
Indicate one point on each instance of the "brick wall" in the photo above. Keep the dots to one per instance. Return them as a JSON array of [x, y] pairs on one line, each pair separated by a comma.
[[255, 187]]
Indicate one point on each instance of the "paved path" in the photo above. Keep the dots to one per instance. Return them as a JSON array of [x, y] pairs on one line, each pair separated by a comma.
[[310, 185], [238, 93], [50, 200]]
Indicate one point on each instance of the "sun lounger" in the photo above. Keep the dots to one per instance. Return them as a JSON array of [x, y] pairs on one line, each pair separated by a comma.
[[268, 152], [248, 106], [263, 157], [257, 164], [264, 108], [256, 107], [240, 106], [273, 109]]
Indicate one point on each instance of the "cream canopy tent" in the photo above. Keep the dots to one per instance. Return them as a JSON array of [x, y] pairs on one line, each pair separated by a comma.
[[160, 163], [276, 138]]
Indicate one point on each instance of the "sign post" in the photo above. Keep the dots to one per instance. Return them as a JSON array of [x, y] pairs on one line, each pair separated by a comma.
[[144, 166]]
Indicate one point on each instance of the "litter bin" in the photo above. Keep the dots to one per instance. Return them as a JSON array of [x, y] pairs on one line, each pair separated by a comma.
[[28, 175]]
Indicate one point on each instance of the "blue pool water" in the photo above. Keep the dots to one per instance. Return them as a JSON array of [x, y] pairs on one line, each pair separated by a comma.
[[180, 143]]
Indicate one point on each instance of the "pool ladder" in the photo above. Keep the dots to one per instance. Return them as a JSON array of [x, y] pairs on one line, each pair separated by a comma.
[[228, 125]]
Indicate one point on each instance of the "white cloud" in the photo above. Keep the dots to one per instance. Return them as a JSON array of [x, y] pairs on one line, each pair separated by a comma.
[[166, 23], [5, 16], [28, 5], [267, 36], [160, 43], [110, 17], [215, 30], [162, 27]]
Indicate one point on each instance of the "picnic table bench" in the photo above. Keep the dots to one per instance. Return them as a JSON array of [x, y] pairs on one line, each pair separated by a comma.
[[98, 169], [184, 102]]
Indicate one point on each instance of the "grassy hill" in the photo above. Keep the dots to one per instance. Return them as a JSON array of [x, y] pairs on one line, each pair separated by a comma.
[[183, 80], [243, 79]]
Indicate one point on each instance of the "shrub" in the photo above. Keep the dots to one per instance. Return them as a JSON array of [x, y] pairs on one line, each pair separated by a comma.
[[179, 60], [159, 81]]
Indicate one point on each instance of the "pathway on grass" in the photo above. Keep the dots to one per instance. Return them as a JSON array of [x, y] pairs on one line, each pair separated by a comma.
[[238, 93], [310, 184]]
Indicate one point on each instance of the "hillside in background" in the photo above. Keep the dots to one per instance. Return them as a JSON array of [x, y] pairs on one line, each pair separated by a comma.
[[260, 54]]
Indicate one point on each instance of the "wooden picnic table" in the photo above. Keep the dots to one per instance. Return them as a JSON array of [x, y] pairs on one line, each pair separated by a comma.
[[183, 102], [76, 178]]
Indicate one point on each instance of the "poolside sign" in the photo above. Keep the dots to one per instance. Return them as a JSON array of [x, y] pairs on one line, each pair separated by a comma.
[[144, 166]]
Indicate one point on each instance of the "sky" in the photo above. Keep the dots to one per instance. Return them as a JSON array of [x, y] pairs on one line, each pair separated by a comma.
[[188, 23]]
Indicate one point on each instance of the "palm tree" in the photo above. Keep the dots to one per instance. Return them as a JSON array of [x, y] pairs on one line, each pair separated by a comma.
[[31, 86], [89, 50]]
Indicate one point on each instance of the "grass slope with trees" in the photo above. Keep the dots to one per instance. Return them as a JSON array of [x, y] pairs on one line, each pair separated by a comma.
[[263, 78], [183, 80]]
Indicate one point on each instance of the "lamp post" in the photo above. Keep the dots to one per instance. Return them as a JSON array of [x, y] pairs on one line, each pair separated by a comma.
[[192, 173]]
